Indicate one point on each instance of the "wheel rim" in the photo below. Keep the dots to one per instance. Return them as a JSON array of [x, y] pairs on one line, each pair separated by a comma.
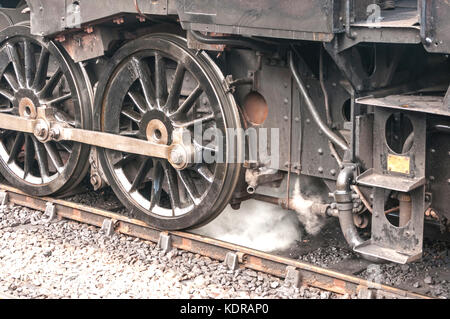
[[34, 73], [158, 86]]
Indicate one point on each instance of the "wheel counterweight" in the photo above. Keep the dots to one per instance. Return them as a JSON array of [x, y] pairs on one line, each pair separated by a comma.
[[156, 89]]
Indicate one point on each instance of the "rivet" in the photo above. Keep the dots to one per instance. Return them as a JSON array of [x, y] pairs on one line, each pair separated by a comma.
[[286, 101], [297, 119], [431, 178], [333, 172], [320, 169], [308, 121], [320, 151], [286, 118], [433, 150]]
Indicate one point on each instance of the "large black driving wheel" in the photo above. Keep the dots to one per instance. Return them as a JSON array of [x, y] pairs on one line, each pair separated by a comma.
[[155, 86], [35, 73]]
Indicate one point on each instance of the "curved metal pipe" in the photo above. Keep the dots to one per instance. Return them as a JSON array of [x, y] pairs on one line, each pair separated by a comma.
[[335, 139], [344, 202], [343, 196]]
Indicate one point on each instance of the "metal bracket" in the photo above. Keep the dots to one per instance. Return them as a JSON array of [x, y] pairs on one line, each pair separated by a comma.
[[232, 261], [50, 211], [165, 242], [3, 199], [293, 277], [108, 227]]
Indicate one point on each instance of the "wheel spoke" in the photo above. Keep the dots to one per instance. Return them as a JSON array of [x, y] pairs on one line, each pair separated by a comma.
[[139, 101], [157, 180], [173, 99], [66, 146], [60, 99], [172, 182], [132, 115], [17, 65], [29, 156], [17, 147], [141, 173], [48, 88], [189, 186], [189, 102], [41, 157], [124, 160], [204, 172], [54, 156], [41, 70], [160, 80], [7, 95], [196, 122], [30, 63], [130, 133], [12, 82], [6, 110], [143, 72]]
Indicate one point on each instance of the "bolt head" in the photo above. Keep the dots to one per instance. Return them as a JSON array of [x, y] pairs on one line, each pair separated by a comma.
[[177, 156], [39, 131]]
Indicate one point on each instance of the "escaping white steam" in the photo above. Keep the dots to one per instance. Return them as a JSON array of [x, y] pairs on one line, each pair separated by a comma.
[[256, 225], [312, 222]]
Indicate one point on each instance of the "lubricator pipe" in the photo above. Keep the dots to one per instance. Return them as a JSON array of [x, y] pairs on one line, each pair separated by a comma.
[[335, 139]]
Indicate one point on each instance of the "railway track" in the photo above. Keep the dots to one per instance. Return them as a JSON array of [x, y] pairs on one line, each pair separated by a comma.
[[298, 273]]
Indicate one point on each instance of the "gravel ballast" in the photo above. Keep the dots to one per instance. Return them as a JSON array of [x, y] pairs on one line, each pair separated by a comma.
[[67, 259]]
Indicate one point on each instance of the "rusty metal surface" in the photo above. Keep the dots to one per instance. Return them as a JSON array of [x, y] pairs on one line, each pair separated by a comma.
[[311, 275]]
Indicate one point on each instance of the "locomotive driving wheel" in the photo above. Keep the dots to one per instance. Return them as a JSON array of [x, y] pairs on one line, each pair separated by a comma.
[[35, 74], [158, 90]]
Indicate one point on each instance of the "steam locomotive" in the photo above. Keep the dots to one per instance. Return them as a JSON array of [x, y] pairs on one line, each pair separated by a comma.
[[183, 107]]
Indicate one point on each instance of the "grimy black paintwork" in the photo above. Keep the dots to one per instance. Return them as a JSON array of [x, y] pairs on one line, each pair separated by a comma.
[[378, 80]]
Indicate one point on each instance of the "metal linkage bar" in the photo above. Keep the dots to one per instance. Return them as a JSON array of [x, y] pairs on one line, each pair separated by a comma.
[[48, 130], [278, 266]]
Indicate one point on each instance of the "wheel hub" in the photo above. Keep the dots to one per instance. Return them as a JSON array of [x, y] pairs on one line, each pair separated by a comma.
[[156, 132], [156, 127], [26, 102], [27, 108]]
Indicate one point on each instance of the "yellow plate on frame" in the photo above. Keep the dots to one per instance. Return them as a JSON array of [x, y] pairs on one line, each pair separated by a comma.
[[399, 164]]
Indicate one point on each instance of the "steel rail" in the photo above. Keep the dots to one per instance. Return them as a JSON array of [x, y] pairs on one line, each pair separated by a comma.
[[311, 275]]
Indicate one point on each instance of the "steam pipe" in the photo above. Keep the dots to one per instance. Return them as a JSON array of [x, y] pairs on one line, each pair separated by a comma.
[[343, 196], [335, 139], [316, 208]]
